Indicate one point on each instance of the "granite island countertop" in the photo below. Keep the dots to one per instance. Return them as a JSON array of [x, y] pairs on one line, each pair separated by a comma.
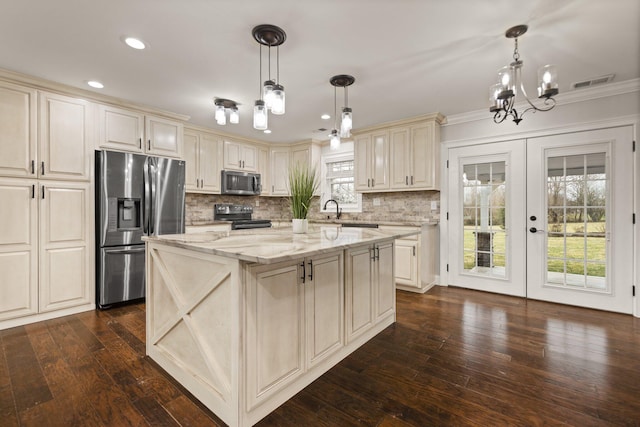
[[269, 245]]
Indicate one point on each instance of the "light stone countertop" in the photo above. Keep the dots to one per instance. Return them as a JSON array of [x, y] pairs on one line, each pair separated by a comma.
[[269, 245]]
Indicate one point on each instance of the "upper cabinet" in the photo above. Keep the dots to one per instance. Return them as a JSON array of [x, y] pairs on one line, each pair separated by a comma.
[[18, 130], [131, 131], [49, 142], [415, 157], [411, 161], [203, 157], [280, 159], [240, 156], [371, 154]]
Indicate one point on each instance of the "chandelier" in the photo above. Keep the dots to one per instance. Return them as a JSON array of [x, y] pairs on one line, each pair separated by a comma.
[[503, 94], [346, 122], [272, 96], [222, 105]]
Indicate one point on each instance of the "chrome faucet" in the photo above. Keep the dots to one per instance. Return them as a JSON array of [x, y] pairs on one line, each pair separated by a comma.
[[338, 210]]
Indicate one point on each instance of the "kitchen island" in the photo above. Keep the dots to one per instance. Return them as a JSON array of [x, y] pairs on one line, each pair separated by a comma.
[[246, 319]]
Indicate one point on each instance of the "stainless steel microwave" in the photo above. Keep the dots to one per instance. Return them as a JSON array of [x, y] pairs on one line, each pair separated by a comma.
[[240, 183]]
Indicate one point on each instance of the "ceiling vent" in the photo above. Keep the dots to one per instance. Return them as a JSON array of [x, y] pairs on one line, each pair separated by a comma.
[[320, 130], [593, 82]]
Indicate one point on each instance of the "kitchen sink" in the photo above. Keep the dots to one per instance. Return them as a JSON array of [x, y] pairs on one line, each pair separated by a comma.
[[359, 224]]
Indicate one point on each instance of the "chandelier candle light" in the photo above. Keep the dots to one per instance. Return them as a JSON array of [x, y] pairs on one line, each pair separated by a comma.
[[222, 105], [502, 95], [272, 96]]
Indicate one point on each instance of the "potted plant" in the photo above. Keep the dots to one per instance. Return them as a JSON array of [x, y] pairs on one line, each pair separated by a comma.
[[303, 183]]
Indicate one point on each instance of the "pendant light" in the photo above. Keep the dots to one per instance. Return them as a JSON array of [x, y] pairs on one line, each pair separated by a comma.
[[272, 96], [502, 95], [346, 122], [334, 137]]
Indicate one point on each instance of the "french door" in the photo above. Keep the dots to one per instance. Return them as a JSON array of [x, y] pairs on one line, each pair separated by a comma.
[[548, 218]]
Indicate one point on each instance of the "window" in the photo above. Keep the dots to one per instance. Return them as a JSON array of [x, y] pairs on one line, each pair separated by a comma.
[[338, 183]]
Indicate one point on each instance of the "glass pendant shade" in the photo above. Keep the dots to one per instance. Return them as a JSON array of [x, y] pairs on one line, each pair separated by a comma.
[[494, 92], [267, 93], [346, 123], [234, 117], [334, 139], [507, 81], [277, 103], [220, 117], [547, 81], [260, 118]]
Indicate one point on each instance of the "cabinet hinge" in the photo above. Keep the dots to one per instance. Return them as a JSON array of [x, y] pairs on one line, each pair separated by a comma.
[[447, 267]]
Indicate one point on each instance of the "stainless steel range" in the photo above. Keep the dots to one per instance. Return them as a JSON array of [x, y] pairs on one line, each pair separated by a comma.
[[239, 215]]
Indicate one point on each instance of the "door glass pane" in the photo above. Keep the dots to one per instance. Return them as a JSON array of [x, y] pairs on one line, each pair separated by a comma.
[[577, 203], [484, 189]]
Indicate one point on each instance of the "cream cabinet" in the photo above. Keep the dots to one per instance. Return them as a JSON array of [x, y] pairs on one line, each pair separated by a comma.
[[297, 322], [218, 228], [369, 287], [371, 155], [46, 246], [18, 130], [415, 157], [265, 170], [406, 262], [280, 161], [44, 135], [203, 156], [307, 153], [240, 156], [132, 131]]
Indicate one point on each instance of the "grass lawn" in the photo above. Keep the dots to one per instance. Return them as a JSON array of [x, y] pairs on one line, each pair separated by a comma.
[[575, 250]]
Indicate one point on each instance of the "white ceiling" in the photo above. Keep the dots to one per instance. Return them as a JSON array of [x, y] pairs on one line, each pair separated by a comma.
[[409, 57]]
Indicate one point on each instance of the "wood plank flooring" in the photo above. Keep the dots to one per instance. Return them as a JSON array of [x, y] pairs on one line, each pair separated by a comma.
[[454, 357]]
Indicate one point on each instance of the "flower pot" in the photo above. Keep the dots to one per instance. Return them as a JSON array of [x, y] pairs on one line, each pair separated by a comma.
[[299, 225]]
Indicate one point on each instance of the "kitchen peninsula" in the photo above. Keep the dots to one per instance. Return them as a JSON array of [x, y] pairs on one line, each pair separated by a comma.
[[246, 319]]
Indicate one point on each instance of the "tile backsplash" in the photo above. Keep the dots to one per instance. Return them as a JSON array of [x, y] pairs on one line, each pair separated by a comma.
[[408, 206]]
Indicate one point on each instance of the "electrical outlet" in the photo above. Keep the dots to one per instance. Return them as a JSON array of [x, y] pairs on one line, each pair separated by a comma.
[[257, 203], [434, 205], [376, 201]]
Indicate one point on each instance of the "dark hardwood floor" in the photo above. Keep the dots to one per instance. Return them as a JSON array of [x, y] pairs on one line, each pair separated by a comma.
[[454, 357]]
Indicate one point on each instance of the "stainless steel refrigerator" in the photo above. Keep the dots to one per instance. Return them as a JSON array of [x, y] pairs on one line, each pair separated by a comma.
[[136, 195]]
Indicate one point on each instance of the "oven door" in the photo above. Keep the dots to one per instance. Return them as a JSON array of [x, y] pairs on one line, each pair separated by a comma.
[[250, 224]]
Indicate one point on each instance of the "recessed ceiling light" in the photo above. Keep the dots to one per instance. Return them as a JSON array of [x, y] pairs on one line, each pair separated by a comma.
[[267, 131], [135, 43], [96, 84], [325, 117]]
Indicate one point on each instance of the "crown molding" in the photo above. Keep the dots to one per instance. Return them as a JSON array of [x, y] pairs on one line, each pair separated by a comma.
[[574, 96]]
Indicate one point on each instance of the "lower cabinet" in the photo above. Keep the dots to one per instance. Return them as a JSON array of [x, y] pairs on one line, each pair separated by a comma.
[[369, 287], [46, 247], [296, 312]]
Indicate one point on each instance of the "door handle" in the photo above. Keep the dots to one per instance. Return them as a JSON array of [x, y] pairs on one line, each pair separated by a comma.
[[33, 167], [378, 253], [310, 270], [411, 179], [42, 164], [304, 272], [535, 230], [406, 180]]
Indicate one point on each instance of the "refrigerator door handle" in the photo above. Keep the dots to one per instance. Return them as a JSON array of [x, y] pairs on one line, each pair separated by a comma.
[[154, 188], [125, 251], [147, 199]]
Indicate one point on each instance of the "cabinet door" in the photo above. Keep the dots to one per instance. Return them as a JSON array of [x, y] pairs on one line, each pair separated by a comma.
[[192, 159], [280, 171], [120, 129], [380, 160], [400, 169], [18, 130], [249, 158], [301, 155], [210, 163], [362, 162], [265, 171], [66, 144], [406, 262], [424, 157], [66, 245], [18, 248], [232, 155], [385, 280], [358, 291], [324, 302], [275, 329], [164, 137]]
